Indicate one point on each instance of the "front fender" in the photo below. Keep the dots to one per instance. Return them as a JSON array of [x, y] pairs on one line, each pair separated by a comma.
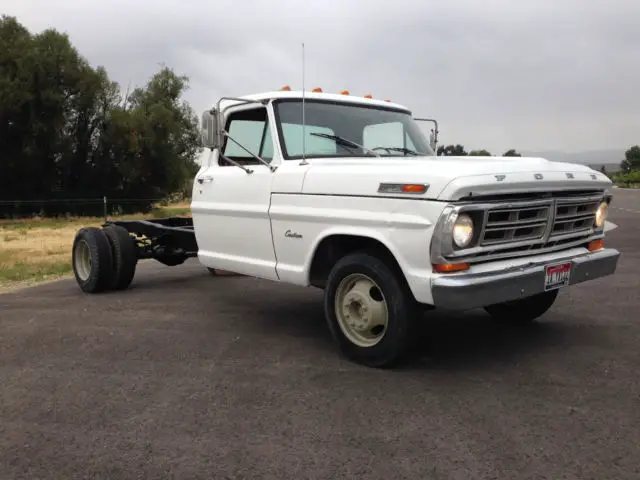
[[356, 232]]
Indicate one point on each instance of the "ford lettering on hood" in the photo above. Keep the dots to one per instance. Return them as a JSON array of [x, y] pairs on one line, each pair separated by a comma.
[[449, 178]]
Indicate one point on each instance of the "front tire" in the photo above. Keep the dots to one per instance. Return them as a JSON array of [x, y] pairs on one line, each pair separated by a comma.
[[91, 260], [370, 311], [524, 310]]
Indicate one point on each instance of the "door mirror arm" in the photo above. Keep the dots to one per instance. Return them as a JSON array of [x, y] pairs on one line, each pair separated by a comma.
[[260, 159]]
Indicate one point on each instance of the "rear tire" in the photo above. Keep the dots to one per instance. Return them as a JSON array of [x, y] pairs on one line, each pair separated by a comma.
[[91, 260], [522, 311], [125, 258], [370, 311]]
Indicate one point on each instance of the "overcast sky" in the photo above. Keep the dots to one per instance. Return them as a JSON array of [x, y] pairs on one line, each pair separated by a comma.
[[498, 74]]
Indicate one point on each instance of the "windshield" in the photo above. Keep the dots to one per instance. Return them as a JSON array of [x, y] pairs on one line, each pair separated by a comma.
[[332, 129]]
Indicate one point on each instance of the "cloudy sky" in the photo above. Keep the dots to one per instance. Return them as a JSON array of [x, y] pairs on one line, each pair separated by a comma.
[[527, 74]]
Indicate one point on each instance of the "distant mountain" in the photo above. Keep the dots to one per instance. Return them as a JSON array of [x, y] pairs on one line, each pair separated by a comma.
[[589, 157]]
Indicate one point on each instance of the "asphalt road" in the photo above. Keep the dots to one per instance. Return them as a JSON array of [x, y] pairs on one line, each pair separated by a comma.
[[189, 376]]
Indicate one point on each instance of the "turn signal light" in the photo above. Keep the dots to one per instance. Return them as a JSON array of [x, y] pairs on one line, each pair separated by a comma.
[[317, 90], [344, 92], [596, 245], [417, 188], [286, 88], [403, 188], [450, 267]]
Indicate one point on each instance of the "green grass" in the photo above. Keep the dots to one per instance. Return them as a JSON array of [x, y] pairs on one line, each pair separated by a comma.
[[38, 249], [33, 272]]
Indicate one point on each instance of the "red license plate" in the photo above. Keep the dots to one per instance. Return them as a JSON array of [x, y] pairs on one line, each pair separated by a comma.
[[556, 276]]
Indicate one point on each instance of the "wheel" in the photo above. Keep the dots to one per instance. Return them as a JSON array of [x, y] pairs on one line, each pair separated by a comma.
[[370, 311], [92, 260], [524, 310], [125, 258]]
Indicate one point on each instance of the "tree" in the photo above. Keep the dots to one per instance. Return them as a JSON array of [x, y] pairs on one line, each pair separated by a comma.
[[511, 153], [631, 160], [452, 150], [479, 153], [67, 132]]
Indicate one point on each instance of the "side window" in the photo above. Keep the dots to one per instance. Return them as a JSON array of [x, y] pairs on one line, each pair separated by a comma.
[[251, 129], [292, 133], [386, 135]]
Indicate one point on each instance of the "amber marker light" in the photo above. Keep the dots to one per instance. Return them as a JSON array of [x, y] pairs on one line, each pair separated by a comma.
[[286, 88], [344, 92], [317, 90], [450, 267], [596, 245], [368, 96], [412, 188]]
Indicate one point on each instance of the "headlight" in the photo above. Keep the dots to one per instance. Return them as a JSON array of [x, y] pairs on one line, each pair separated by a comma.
[[601, 214], [463, 230]]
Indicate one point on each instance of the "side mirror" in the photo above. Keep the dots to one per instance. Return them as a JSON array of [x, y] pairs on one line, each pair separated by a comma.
[[433, 137], [210, 129], [433, 141]]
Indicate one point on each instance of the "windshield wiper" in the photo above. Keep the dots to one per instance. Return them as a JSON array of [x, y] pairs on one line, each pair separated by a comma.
[[344, 142], [401, 149]]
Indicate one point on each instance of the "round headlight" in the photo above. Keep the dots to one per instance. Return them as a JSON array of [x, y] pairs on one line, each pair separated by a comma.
[[601, 214], [463, 231]]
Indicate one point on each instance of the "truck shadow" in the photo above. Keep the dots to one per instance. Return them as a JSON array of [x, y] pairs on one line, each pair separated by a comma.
[[444, 339], [473, 339]]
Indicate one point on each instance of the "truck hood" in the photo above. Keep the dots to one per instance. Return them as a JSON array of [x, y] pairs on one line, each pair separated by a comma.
[[449, 178]]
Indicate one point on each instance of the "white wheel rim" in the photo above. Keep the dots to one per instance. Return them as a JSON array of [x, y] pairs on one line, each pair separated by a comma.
[[83, 260], [361, 310]]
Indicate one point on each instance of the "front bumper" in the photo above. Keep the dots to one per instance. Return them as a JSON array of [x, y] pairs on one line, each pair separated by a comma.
[[463, 291]]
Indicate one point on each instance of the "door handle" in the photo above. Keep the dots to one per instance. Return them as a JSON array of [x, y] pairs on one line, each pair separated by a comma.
[[205, 179]]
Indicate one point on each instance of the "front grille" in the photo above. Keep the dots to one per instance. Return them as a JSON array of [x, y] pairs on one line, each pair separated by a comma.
[[574, 217], [515, 227], [515, 224]]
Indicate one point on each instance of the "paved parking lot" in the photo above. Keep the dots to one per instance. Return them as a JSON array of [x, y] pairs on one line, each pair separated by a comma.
[[189, 376]]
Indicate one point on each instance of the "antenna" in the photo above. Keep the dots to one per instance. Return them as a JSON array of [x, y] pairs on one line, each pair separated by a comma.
[[304, 133]]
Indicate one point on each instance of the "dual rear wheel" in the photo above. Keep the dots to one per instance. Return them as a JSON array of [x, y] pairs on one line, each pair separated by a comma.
[[104, 259]]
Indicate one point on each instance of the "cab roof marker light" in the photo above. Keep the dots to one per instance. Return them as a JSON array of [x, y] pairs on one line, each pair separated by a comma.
[[317, 90], [344, 92], [404, 188], [368, 96], [286, 88]]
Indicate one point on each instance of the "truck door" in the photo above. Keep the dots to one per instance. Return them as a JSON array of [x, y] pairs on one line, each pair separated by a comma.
[[230, 207]]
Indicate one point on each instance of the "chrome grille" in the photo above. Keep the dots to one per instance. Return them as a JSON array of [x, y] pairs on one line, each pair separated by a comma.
[[574, 217], [515, 224]]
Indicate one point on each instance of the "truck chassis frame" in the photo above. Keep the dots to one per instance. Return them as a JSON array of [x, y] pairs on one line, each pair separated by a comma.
[[106, 258], [169, 240]]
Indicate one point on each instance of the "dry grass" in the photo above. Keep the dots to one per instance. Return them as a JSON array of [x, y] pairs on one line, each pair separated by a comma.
[[36, 250]]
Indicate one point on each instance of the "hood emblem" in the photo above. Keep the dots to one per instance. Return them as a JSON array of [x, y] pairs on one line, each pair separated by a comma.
[[593, 177], [500, 177], [570, 176], [538, 176]]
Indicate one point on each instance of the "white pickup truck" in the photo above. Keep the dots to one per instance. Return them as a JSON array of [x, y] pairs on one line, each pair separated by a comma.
[[346, 194]]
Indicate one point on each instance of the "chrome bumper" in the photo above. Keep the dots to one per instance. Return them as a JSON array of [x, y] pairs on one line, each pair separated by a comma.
[[463, 291]]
